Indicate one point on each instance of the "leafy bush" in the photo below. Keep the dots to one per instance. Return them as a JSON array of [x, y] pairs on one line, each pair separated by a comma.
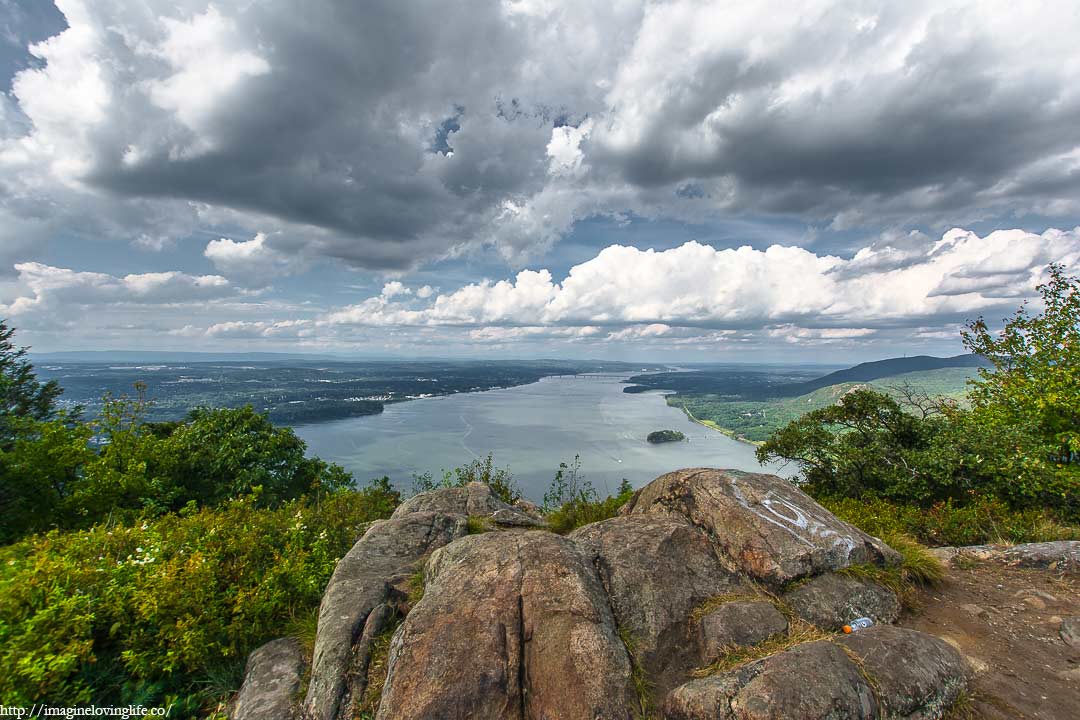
[[54, 478], [151, 612], [572, 501], [483, 470], [983, 520]]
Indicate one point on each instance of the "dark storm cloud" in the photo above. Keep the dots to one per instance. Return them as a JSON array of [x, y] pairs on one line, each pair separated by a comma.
[[388, 133]]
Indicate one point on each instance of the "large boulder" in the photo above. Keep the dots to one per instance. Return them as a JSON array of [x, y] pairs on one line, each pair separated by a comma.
[[272, 680], [656, 571], [738, 624], [763, 524], [510, 625], [833, 600], [470, 500], [812, 681], [881, 672], [367, 578], [915, 675]]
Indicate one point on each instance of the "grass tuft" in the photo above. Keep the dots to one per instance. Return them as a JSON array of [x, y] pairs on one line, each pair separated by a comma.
[[477, 524], [378, 668], [643, 688], [717, 600], [799, 631], [918, 568], [963, 708], [303, 628], [417, 586]]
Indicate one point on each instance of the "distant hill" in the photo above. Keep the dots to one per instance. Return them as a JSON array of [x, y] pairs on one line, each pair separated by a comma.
[[168, 356], [867, 371]]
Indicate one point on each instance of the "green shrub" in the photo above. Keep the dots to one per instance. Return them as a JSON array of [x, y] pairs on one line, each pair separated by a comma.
[[53, 478], [166, 610], [572, 501], [480, 470], [981, 520]]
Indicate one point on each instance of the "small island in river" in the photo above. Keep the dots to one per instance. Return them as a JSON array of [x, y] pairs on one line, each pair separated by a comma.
[[663, 436]]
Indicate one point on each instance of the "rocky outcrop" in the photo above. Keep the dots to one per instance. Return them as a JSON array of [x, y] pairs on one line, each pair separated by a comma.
[[914, 675], [738, 624], [357, 601], [882, 672], [767, 527], [812, 681], [616, 619], [471, 500], [272, 679], [832, 600], [370, 583], [1062, 555], [656, 571], [509, 626]]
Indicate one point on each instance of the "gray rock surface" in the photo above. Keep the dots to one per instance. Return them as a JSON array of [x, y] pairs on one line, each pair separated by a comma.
[[832, 600], [656, 571], [1070, 631], [741, 623], [363, 580], [915, 675], [508, 517], [512, 625], [473, 499], [528, 624], [763, 524], [812, 681], [1061, 555], [272, 680], [881, 672]]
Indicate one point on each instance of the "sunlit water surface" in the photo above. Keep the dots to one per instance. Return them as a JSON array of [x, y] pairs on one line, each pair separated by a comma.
[[530, 429]]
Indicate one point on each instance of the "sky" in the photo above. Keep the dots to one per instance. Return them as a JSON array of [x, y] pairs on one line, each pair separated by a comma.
[[663, 181]]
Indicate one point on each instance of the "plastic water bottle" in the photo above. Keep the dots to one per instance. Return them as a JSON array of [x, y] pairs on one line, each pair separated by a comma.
[[858, 624]]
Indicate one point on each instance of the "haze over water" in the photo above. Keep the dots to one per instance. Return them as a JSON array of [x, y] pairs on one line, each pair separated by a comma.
[[530, 429]]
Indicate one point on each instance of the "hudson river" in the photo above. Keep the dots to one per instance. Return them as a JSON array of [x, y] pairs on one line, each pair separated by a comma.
[[530, 429]]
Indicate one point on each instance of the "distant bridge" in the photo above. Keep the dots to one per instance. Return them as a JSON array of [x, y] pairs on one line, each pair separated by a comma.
[[593, 376]]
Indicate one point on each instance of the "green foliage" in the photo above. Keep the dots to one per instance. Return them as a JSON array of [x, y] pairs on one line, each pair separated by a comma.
[[867, 446], [480, 470], [571, 501], [22, 397], [168, 609], [38, 473], [37, 443], [54, 479], [982, 520], [996, 470], [1034, 387], [663, 436], [223, 453], [754, 420]]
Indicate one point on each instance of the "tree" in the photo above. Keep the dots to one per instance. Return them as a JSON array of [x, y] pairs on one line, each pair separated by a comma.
[[1035, 380], [217, 454], [40, 448], [22, 396]]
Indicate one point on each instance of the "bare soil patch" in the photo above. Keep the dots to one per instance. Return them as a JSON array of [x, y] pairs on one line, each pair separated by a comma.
[[1006, 621]]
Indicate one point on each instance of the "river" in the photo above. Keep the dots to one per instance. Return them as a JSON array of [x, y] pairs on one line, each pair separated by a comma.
[[530, 429]]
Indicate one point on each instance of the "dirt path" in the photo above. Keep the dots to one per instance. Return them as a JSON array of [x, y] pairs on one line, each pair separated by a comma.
[[1006, 620]]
